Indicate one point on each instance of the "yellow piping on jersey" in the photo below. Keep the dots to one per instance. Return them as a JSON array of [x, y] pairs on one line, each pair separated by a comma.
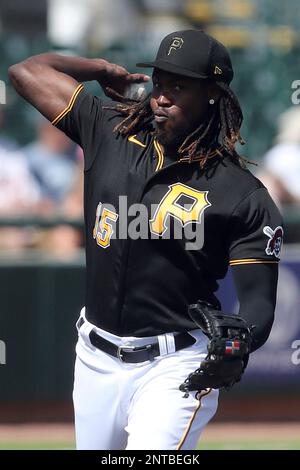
[[235, 262], [205, 392], [70, 105], [132, 138], [160, 156]]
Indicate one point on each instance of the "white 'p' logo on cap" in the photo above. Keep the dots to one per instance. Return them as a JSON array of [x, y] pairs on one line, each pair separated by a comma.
[[176, 44]]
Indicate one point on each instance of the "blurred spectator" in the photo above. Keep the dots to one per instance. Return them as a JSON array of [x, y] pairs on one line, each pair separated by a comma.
[[53, 164], [5, 142], [73, 204], [19, 192], [64, 240], [281, 164], [45, 178], [19, 195]]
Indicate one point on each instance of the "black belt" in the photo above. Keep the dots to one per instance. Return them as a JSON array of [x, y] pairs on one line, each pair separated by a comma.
[[136, 354]]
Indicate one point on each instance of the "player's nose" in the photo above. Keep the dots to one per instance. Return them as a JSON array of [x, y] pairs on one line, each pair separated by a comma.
[[163, 100]]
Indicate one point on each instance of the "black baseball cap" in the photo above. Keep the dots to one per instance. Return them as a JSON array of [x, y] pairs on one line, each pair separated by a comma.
[[193, 53]]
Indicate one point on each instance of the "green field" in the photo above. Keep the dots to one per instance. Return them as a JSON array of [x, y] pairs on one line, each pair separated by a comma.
[[251, 445], [37, 446], [217, 436], [234, 445]]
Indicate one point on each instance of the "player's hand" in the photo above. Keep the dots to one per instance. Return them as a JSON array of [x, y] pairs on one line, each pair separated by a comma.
[[118, 79]]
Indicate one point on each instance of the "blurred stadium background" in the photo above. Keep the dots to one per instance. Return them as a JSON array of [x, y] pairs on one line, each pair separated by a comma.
[[41, 239]]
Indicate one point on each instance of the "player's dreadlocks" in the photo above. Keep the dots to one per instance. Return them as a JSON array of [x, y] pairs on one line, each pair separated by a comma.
[[222, 126]]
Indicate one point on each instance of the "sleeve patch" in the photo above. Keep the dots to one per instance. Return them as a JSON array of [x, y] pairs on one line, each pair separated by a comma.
[[275, 240]]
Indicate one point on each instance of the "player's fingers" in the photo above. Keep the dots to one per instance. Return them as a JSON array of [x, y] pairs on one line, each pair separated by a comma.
[[138, 78]]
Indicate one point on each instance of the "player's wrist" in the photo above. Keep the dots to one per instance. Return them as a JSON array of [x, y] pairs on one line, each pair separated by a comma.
[[101, 66]]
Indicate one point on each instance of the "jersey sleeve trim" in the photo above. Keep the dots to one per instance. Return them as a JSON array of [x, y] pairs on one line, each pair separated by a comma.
[[70, 105], [235, 262]]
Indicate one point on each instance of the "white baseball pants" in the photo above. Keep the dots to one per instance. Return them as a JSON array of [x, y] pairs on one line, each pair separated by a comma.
[[138, 406]]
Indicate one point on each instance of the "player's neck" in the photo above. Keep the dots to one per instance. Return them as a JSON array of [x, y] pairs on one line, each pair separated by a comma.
[[170, 151]]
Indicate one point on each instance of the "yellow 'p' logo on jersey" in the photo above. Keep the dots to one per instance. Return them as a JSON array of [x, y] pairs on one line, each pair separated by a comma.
[[170, 206]]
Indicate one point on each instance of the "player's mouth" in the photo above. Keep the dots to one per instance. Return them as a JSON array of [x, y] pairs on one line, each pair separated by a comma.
[[160, 116]]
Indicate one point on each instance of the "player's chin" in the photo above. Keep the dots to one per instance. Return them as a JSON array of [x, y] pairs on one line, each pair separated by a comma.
[[167, 136]]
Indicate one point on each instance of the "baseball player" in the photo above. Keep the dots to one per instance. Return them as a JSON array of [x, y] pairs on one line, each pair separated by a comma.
[[154, 346]]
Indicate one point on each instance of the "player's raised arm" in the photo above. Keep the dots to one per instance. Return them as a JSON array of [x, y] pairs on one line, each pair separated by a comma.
[[48, 81]]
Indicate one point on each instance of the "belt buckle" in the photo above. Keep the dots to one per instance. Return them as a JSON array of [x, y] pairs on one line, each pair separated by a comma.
[[134, 349], [124, 348]]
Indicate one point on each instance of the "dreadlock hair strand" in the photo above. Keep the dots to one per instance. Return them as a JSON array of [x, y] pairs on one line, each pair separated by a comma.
[[193, 146], [137, 113]]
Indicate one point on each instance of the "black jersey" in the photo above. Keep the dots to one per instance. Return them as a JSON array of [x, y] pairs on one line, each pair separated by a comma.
[[141, 278]]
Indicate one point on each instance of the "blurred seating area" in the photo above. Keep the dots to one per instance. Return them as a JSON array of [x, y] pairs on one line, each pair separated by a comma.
[[41, 186], [40, 170]]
